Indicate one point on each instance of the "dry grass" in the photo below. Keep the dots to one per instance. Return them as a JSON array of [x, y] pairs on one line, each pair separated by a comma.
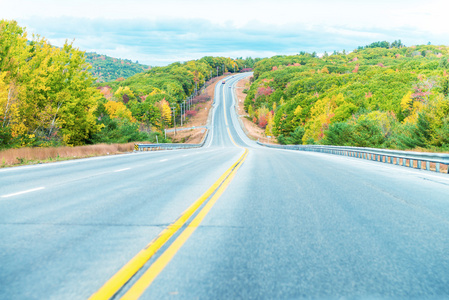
[[22, 156]]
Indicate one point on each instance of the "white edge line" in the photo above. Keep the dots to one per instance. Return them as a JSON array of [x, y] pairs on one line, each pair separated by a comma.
[[125, 169], [23, 192]]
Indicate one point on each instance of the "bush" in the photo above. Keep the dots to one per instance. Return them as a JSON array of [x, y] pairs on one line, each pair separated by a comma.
[[340, 134], [368, 133], [294, 138], [5, 137], [119, 131], [191, 113], [364, 133]]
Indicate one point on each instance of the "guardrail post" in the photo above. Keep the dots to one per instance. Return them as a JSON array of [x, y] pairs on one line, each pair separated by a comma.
[[410, 163], [428, 165], [419, 164], [437, 167]]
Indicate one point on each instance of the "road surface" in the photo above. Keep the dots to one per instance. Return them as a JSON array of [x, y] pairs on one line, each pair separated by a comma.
[[287, 225]]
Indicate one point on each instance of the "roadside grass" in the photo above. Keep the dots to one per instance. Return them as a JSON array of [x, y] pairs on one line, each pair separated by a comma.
[[29, 156]]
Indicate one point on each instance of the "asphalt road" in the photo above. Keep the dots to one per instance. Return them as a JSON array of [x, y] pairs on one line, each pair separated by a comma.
[[290, 224]]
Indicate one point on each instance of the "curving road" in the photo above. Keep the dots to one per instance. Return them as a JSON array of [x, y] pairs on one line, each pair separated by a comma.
[[289, 225]]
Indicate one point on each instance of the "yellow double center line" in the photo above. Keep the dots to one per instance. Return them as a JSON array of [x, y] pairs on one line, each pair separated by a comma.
[[119, 280], [114, 284]]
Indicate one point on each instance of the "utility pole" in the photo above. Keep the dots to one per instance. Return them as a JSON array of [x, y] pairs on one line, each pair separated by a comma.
[[174, 115], [185, 110], [217, 71]]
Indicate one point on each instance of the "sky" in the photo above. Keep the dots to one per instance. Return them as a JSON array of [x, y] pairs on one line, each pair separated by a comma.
[[161, 32]]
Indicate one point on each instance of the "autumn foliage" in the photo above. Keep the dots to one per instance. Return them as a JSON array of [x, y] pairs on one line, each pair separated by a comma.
[[381, 95], [48, 96]]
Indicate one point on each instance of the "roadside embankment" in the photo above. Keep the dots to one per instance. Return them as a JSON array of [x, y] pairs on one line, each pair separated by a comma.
[[253, 131]]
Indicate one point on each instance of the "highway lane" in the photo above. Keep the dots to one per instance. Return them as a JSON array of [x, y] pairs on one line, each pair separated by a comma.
[[65, 241], [289, 225], [309, 225]]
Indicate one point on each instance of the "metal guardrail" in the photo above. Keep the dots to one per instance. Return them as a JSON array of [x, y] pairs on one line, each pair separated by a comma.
[[410, 159], [169, 146]]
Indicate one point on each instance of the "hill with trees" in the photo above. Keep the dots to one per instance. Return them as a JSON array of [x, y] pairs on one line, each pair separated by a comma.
[[105, 68], [388, 97]]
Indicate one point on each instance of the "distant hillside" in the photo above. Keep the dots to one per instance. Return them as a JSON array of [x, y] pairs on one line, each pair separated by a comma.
[[382, 95], [106, 68]]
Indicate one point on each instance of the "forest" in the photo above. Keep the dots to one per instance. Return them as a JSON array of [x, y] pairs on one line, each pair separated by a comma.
[[49, 97], [382, 95], [105, 68]]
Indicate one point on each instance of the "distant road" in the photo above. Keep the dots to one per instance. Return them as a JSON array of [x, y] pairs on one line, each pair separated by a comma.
[[288, 225]]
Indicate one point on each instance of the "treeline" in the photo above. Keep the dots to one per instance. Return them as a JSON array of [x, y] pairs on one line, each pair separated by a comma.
[[373, 97], [105, 68], [48, 97], [383, 44]]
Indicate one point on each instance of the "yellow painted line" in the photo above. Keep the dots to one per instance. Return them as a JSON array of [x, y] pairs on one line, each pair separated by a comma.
[[137, 262], [156, 268]]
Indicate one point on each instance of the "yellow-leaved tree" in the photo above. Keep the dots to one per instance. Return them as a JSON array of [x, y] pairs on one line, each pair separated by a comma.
[[164, 107], [117, 110], [321, 115], [270, 123], [49, 93], [411, 108]]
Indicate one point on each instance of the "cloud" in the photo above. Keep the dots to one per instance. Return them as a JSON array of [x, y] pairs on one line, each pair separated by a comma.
[[160, 42]]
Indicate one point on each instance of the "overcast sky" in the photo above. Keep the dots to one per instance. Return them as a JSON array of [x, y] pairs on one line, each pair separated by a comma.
[[165, 31]]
